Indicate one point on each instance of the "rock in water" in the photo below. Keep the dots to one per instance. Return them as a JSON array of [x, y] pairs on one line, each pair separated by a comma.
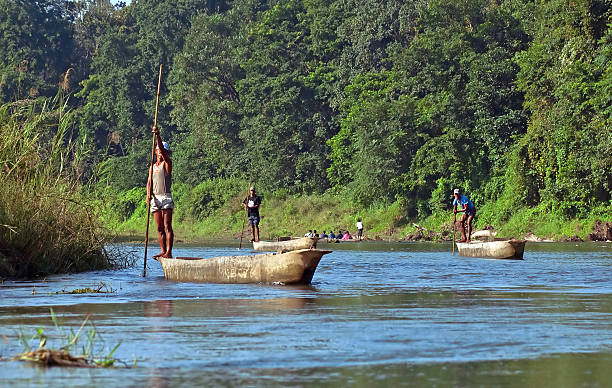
[[602, 231]]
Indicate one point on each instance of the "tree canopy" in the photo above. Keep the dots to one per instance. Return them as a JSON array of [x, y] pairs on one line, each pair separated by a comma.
[[386, 100]]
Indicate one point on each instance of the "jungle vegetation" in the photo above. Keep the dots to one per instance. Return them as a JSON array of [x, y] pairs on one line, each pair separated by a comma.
[[380, 104]]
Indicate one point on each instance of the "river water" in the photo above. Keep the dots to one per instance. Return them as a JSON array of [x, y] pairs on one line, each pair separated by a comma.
[[376, 313]]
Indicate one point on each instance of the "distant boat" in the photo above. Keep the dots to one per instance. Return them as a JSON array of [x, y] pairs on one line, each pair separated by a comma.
[[287, 245], [500, 249], [295, 267]]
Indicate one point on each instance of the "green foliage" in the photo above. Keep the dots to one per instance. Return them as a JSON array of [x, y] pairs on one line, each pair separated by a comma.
[[49, 225], [210, 195], [120, 92], [374, 146], [129, 202], [566, 149], [284, 125], [384, 104], [36, 47], [206, 103]]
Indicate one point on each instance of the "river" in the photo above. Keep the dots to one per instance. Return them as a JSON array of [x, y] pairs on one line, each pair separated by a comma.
[[406, 314]]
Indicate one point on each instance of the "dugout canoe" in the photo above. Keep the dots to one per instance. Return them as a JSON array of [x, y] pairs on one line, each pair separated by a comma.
[[295, 267], [500, 249], [287, 245]]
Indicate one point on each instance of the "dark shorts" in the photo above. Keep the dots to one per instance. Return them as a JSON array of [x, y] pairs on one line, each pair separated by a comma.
[[253, 220], [359, 232], [471, 212]]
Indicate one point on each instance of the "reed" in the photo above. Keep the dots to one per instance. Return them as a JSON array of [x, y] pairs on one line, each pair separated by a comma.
[[47, 223]]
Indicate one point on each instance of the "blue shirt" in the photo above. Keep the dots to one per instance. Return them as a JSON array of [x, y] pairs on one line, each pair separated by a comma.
[[463, 201]]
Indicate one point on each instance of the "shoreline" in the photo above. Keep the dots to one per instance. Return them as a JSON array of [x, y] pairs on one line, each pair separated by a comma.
[[225, 240]]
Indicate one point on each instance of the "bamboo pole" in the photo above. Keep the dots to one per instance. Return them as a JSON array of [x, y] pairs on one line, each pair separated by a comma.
[[150, 180], [454, 230], [245, 212]]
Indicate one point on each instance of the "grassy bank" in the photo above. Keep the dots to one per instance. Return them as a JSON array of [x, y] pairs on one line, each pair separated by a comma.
[[47, 225], [212, 210], [219, 214]]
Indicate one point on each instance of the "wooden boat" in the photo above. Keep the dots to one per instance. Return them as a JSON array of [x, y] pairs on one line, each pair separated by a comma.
[[287, 245], [295, 267], [500, 249]]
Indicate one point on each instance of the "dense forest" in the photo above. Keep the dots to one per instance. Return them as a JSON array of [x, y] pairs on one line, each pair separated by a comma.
[[381, 102]]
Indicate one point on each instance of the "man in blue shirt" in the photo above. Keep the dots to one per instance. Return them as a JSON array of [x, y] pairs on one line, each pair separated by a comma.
[[469, 211]]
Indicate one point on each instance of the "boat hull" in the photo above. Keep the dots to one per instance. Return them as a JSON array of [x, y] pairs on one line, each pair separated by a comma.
[[295, 267], [285, 246], [503, 249]]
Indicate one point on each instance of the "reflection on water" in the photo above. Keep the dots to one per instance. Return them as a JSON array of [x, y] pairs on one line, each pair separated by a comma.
[[414, 315], [158, 308]]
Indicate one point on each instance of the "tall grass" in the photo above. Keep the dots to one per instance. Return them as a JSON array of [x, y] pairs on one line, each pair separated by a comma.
[[46, 224]]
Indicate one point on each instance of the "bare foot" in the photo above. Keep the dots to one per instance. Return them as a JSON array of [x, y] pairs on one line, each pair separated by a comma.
[[161, 254], [167, 255], [462, 241]]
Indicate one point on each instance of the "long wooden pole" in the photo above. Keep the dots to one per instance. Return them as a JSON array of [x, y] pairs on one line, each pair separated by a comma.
[[245, 212], [150, 180], [454, 230]]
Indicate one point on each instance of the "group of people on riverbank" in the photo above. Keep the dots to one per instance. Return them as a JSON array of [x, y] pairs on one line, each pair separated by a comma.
[[341, 235]]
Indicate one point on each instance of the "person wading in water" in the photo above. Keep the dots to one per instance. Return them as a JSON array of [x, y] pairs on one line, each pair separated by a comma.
[[469, 211], [161, 198]]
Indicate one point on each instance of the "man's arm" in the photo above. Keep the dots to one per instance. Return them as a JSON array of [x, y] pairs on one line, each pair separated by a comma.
[[460, 211], [164, 152]]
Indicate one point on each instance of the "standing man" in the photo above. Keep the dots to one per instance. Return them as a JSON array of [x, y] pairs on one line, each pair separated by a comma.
[[161, 198], [469, 211], [252, 203], [359, 226]]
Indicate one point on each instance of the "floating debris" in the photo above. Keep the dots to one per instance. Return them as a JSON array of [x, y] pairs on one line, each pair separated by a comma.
[[101, 288], [50, 357]]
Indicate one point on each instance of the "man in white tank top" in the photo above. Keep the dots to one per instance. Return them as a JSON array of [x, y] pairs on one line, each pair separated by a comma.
[[161, 197]]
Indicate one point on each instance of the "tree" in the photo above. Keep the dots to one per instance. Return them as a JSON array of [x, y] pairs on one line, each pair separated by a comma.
[[566, 139], [36, 47], [205, 99], [120, 91], [284, 126]]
